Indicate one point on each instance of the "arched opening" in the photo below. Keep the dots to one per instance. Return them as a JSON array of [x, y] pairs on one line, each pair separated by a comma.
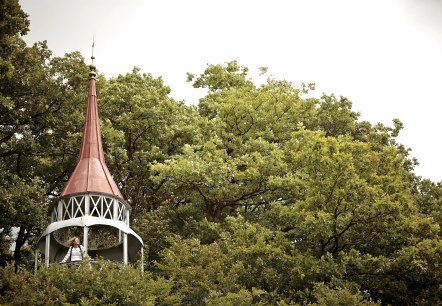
[[100, 221]]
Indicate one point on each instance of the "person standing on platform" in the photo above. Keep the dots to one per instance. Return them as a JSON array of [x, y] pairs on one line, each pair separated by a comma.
[[75, 252]]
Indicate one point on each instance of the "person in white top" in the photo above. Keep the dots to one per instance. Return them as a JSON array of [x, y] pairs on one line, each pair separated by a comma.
[[75, 252]]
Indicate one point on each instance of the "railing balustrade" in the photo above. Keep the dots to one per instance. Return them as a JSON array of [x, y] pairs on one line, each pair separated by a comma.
[[96, 205]]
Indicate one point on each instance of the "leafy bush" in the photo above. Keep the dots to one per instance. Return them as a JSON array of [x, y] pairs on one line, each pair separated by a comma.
[[104, 283]]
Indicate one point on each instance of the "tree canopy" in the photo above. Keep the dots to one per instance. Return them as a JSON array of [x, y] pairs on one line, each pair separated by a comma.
[[258, 194]]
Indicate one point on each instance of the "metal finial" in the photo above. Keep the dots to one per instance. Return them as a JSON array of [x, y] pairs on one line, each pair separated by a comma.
[[93, 45], [92, 73]]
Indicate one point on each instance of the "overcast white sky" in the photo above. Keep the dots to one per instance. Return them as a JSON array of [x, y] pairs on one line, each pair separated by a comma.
[[384, 55]]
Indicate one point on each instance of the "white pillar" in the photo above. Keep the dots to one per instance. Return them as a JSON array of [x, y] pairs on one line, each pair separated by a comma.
[[125, 255], [60, 210], [126, 216], [87, 205], [87, 210], [85, 238], [142, 261], [36, 261], [47, 249], [115, 209]]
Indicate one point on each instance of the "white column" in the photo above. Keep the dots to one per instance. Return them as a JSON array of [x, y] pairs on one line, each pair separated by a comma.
[[87, 205], [71, 205], [60, 210], [125, 255], [115, 210], [47, 249], [126, 211], [36, 261], [85, 238], [142, 261]]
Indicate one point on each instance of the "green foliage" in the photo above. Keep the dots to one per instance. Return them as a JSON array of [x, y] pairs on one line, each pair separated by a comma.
[[103, 283], [142, 125], [38, 115], [217, 77], [250, 263], [429, 200], [242, 298], [338, 296]]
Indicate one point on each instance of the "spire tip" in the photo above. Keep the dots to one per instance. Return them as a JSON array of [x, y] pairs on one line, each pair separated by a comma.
[[92, 73], [93, 45]]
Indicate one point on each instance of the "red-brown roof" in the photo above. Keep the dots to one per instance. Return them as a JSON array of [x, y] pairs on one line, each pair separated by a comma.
[[91, 173]]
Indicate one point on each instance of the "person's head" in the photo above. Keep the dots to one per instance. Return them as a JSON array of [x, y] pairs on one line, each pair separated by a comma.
[[74, 242]]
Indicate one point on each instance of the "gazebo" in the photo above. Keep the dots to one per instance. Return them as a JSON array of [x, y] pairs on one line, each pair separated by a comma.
[[91, 205]]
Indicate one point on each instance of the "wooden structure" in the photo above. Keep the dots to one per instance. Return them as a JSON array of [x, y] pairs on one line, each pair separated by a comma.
[[91, 205]]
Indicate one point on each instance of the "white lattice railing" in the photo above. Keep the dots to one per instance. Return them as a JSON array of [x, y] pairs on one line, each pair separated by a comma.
[[96, 205]]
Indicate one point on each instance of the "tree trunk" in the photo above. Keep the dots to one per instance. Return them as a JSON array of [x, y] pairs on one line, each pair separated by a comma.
[[21, 239]]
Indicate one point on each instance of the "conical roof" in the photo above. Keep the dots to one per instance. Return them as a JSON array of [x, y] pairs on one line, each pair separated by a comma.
[[91, 173]]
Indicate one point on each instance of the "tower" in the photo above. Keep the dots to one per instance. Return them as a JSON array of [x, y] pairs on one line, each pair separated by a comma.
[[91, 204]]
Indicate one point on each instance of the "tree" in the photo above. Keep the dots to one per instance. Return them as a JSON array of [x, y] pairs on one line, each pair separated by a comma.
[[142, 125], [339, 190], [240, 164], [38, 108]]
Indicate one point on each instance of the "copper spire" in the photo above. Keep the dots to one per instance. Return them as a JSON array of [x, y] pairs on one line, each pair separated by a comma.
[[91, 173]]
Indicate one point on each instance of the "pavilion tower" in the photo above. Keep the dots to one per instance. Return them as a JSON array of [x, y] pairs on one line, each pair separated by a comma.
[[91, 205]]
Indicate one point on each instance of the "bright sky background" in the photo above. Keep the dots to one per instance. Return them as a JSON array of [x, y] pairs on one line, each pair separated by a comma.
[[384, 55]]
